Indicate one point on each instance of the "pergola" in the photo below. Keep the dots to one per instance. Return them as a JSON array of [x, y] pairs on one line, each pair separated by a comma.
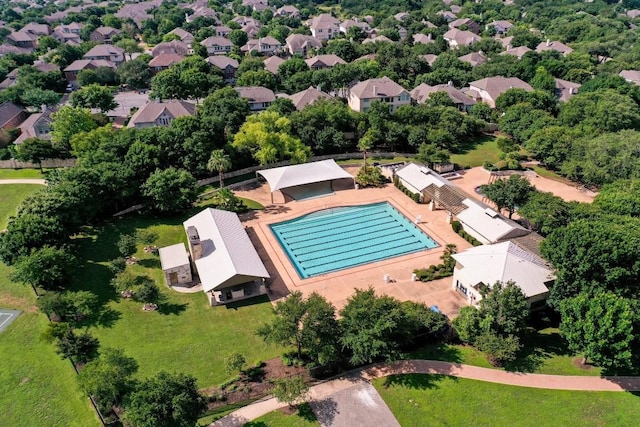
[[303, 174]]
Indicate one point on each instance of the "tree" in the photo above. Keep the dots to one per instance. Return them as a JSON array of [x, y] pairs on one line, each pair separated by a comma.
[[467, 324], [371, 325], [234, 363], [604, 110], [257, 78], [601, 326], [79, 348], [594, 256], [165, 400], [29, 231], [35, 150], [365, 144], [552, 145], [68, 121], [500, 349], [282, 106], [267, 136], [108, 378], [503, 309], [286, 328], [135, 74], [509, 193], [47, 267], [220, 162], [94, 96], [130, 46], [621, 197], [170, 190], [36, 97], [543, 80], [227, 104], [430, 154], [146, 292], [545, 212], [238, 37], [290, 390], [127, 244], [290, 67]]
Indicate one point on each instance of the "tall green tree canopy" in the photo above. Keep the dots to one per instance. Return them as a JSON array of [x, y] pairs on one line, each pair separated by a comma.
[[68, 121], [509, 193], [94, 96], [170, 190]]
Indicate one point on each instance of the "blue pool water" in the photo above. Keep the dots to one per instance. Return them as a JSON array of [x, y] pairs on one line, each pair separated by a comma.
[[339, 238]]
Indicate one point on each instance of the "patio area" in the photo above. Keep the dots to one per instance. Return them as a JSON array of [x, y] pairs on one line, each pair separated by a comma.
[[338, 286]]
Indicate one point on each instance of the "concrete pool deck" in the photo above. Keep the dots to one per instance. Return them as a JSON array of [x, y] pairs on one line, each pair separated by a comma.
[[338, 286]]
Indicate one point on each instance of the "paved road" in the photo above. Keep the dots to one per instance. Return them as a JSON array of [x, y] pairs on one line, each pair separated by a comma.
[[24, 181], [323, 391]]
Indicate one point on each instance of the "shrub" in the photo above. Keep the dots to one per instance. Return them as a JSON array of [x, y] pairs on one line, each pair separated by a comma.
[[456, 226], [499, 349], [372, 177], [146, 237], [117, 265], [127, 245]]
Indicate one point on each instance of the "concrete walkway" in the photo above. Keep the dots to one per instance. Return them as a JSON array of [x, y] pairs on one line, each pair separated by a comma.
[[322, 391], [24, 181]]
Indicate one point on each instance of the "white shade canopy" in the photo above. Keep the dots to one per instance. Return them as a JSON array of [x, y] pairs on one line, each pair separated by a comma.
[[306, 173]]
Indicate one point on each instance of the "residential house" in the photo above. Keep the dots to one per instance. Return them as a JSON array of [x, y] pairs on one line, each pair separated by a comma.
[[490, 88], [247, 21], [383, 89], [217, 45], [200, 8], [264, 45], [630, 76], [103, 35], [272, 63], [259, 97], [456, 38], [68, 33], [177, 47], [228, 66], [368, 57], [161, 113], [37, 125], [176, 268], [9, 48], [554, 45], [138, 12], [481, 267], [378, 39], [505, 41], [324, 26], [347, 24], [300, 44], [23, 39], [423, 38], [73, 69], [402, 16], [37, 29], [566, 89], [423, 91], [633, 13], [465, 24], [184, 35], [430, 58], [12, 76], [307, 97], [500, 26], [474, 58], [402, 32], [324, 61], [11, 116], [224, 257], [448, 15], [106, 52], [518, 52], [164, 61], [287, 10], [222, 30]]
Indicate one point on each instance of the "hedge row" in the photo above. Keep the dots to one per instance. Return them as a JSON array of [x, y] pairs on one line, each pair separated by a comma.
[[457, 227], [414, 196]]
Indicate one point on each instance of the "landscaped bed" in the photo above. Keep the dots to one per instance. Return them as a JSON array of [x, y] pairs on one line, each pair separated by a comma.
[[433, 400]]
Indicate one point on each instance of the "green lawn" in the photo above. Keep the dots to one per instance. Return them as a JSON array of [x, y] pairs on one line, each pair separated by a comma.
[[303, 417], [20, 173], [476, 152], [544, 352], [432, 400], [185, 334], [10, 197], [372, 158], [37, 387], [546, 173]]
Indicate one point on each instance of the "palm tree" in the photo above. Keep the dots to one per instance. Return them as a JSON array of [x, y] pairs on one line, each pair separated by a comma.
[[365, 144], [219, 161]]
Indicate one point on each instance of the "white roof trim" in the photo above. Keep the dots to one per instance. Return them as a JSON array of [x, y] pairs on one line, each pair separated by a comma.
[[306, 173], [228, 256]]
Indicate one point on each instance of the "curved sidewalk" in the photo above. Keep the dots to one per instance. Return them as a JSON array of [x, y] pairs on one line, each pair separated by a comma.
[[434, 367], [24, 181]]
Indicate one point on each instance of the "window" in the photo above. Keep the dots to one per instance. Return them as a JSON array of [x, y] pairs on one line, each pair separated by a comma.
[[388, 99], [164, 120]]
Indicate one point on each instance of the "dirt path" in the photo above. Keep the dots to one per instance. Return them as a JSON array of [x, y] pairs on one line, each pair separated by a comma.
[[24, 181], [322, 391]]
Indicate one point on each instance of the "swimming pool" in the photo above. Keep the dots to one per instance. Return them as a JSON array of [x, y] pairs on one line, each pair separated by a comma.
[[339, 238]]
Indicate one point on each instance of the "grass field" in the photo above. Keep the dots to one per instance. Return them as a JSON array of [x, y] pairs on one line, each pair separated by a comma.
[[20, 173], [303, 417], [10, 197], [476, 152], [432, 400], [544, 352], [37, 387], [185, 334]]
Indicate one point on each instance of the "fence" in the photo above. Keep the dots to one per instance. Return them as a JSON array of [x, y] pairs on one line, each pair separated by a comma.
[[343, 156], [47, 163]]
